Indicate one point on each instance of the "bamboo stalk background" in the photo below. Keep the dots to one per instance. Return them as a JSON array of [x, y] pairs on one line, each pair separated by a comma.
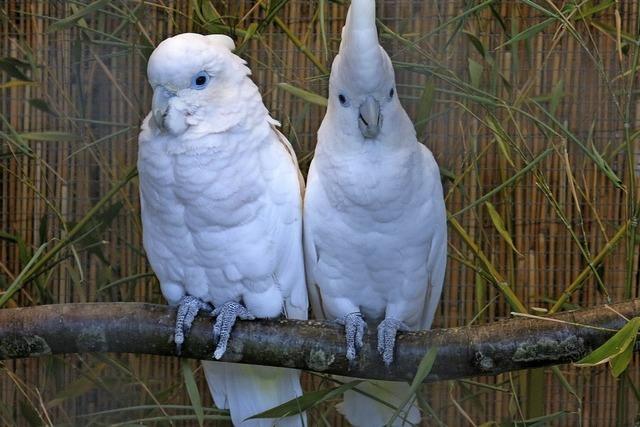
[[92, 75]]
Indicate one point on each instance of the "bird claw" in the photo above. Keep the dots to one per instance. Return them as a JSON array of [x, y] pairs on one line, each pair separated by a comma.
[[354, 327], [226, 316], [188, 309], [387, 330]]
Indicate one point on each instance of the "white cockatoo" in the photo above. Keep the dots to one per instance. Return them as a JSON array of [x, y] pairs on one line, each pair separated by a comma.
[[221, 200], [374, 215]]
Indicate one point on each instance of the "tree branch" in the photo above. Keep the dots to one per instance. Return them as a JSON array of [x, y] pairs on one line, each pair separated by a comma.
[[490, 349]]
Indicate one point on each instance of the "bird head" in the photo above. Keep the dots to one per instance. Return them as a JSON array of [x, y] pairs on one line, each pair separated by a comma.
[[191, 75], [362, 84]]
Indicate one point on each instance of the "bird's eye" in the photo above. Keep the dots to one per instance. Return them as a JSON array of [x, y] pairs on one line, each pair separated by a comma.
[[200, 80], [343, 100], [392, 92]]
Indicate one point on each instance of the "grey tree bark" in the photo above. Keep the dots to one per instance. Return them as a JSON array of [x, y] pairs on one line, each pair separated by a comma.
[[490, 349]]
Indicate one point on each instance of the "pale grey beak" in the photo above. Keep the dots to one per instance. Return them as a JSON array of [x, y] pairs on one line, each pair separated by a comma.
[[370, 119], [160, 104]]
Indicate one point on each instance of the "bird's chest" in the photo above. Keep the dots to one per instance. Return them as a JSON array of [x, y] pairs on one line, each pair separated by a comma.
[[376, 185], [372, 229], [206, 207]]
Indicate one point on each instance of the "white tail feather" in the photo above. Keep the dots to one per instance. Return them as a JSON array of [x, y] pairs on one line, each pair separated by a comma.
[[247, 390], [363, 411]]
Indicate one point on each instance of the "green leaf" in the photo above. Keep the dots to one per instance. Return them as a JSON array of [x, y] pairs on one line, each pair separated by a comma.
[[475, 72], [18, 282], [12, 69], [42, 105], [72, 19], [556, 95], [30, 414], [18, 63], [192, 391], [81, 386], [50, 136], [501, 137], [425, 106], [305, 402], [529, 32], [615, 346], [310, 97], [424, 368], [620, 362], [251, 30], [17, 83], [43, 227], [476, 42], [498, 223], [421, 374], [586, 12], [209, 12], [530, 165], [8, 236], [542, 421]]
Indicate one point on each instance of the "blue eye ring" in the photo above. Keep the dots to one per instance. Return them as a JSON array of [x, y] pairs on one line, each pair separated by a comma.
[[200, 80], [343, 100]]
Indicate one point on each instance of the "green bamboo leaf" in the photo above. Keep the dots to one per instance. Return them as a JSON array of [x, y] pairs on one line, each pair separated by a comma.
[[501, 137], [305, 402], [421, 374], [30, 414], [192, 391], [476, 42], [475, 72], [18, 63], [620, 362], [310, 97], [11, 67], [42, 105], [564, 382], [78, 387], [615, 346], [8, 236], [425, 105], [17, 83], [213, 410], [50, 136], [530, 165], [529, 32], [498, 223], [251, 31], [556, 95], [592, 9], [209, 12], [544, 420], [72, 19], [19, 281]]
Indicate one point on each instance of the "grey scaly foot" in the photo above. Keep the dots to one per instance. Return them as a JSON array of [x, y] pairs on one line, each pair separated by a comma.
[[354, 328], [188, 309], [387, 330], [226, 318]]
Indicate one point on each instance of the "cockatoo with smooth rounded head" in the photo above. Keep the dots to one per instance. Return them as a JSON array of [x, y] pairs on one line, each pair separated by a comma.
[[221, 208], [374, 214]]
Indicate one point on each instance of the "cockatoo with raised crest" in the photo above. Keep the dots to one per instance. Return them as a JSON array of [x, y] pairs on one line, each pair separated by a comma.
[[221, 211], [374, 214]]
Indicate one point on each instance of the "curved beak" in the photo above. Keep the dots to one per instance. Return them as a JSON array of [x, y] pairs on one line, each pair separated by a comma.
[[370, 119], [160, 104]]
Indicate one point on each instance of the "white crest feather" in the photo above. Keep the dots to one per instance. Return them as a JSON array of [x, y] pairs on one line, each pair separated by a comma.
[[222, 40]]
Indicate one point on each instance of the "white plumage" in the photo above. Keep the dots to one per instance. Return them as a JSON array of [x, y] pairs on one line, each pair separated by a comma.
[[374, 218], [221, 206]]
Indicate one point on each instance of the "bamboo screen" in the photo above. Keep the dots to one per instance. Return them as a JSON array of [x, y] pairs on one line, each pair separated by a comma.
[[510, 99]]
